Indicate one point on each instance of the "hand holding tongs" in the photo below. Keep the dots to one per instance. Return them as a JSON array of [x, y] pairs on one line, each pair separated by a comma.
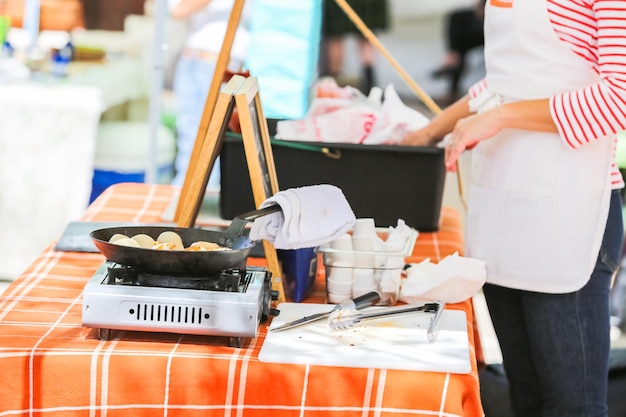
[[346, 318]]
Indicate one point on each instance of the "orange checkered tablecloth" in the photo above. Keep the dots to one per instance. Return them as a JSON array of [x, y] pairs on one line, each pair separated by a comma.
[[52, 366]]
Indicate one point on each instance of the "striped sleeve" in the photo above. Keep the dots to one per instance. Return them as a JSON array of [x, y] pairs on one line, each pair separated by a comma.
[[477, 88], [595, 30]]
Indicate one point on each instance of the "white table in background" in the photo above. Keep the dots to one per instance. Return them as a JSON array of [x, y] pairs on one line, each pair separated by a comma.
[[48, 131]]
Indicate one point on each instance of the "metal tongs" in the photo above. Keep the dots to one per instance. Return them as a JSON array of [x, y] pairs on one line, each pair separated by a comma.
[[363, 301], [347, 318]]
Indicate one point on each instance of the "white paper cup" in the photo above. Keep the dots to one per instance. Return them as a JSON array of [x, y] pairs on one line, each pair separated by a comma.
[[365, 227], [340, 288], [333, 298], [340, 259], [343, 242], [363, 244], [363, 278], [340, 273], [342, 251]]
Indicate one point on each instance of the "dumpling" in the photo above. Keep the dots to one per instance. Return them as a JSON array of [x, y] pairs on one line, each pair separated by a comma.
[[126, 241], [144, 240], [204, 246], [172, 238], [117, 236]]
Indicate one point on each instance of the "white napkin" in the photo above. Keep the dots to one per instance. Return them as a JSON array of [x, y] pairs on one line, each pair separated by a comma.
[[452, 280], [311, 216]]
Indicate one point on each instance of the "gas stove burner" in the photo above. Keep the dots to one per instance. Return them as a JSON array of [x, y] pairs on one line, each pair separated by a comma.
[[229, 281], [228, 303]]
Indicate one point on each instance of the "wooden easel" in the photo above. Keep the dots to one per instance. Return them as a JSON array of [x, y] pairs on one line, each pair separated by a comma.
[[260, 159], [209, 148], [218, 108], [243, 94]]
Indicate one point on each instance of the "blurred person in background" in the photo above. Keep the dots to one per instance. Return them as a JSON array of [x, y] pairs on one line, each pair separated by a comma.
[[336, 26], [463, 33], [195, 69]]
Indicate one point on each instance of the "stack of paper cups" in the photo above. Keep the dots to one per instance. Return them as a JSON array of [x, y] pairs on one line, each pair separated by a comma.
[[339, 270], [339, 282], [364, 240], [342, 250]]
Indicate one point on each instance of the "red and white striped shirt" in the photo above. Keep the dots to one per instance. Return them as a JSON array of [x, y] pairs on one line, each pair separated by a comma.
[[596, 31]]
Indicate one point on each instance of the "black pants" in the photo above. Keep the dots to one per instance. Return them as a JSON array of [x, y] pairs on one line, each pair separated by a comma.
[[494, 388]]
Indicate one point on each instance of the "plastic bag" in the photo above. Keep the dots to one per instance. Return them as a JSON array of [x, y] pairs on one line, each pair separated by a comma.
[[396, 119], [341, 115]]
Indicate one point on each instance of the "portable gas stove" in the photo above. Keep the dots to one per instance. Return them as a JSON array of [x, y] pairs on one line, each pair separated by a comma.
[[228, 303]]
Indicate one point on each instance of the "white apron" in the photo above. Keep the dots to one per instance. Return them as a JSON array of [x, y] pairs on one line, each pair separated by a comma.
[[537, 209]]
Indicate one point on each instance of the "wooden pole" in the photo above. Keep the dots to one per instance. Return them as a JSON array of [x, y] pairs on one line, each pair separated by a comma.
[[429, 102]]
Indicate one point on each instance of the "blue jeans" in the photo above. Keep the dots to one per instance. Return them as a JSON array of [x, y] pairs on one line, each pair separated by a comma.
[[555, 347], [192, 80]]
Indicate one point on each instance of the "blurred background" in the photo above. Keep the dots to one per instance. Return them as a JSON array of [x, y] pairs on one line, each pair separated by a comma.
[[71, 127]]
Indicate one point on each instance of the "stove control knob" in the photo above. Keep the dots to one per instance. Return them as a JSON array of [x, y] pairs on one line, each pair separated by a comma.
[[274, 294], [274, 312]]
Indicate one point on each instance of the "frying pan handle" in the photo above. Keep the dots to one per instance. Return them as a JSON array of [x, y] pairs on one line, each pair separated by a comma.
[[237, 225]]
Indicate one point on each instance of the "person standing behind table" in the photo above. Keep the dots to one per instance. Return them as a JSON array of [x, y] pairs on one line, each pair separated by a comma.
[[208, 20], [544, 207], [336, 25], [463, 33]]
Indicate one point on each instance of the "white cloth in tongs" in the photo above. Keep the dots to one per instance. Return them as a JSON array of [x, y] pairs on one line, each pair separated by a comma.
[[311, 216]]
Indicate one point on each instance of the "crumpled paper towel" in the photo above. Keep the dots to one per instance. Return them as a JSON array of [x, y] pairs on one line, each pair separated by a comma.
[[454, 279]]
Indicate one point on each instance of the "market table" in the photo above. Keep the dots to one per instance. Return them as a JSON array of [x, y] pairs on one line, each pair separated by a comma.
[[53, 366]]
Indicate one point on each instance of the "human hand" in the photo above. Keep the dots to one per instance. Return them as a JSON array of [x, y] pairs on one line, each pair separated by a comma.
[[467, 133]]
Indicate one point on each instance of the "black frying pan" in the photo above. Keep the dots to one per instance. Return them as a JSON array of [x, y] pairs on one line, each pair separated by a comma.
[[183, 262]]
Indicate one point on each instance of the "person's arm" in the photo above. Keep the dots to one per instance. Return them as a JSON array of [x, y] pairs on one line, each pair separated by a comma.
[[467, 129], [532, 115], [185, 8], [585, 115], [440, 125]]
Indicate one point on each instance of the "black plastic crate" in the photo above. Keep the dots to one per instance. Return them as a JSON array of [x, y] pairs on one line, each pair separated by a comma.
[[384, 182]]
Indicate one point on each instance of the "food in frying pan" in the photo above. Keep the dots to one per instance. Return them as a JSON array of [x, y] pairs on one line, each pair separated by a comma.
[[165, 246], [144, 240], [127, 241], [172, 238], [117, 236], [202, 245], [165, 241]]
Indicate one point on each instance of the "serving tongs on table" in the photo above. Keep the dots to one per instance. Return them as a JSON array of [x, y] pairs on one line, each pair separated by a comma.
[[362, 301], [347, 318]]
